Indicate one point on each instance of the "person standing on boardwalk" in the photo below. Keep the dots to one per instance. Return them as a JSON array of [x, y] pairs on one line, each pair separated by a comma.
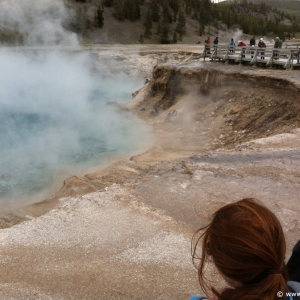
[[252, 44], [216, 42], [261, 44], [231, 44], [277, 45], [242, 44], [207, 45]]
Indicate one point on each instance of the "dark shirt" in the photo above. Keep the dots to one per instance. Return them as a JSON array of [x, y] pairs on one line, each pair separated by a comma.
[[294, 293], [293, 267], [293, 264], [252, 42], [261, 44]]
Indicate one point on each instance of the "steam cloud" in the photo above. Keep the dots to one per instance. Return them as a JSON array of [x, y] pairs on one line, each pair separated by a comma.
[[41, 22], [53, 113], [237, 35]]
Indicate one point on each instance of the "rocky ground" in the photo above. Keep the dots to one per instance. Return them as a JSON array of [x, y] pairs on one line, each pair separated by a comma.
[[220, 133]]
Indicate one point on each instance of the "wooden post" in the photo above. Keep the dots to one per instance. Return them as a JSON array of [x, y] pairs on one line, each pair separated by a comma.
[[289, 63], [204, 53], [270, 61], [254, 59], [215, 53], [226, 54], [239, 58]]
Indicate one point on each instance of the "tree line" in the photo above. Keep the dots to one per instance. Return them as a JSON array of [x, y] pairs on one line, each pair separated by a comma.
[[257, 19], [167, 18]]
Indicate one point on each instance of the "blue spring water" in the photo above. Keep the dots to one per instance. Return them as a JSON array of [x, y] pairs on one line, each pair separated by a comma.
[[54, 117]]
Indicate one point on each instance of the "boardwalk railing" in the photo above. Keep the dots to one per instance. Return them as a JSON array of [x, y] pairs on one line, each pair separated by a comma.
[[288, 58]]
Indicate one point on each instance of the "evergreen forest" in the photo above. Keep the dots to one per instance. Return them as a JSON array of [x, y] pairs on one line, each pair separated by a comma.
[[165, 21], [167, 18]]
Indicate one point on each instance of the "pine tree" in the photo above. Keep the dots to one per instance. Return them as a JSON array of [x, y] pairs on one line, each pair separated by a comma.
[[181, 25], [137, 10], [280, 31], [174, 4], [164, 38], [99, 17], [127, 9], [148, 25], [201, 28], [182, 21], [167, 16], [155, 11], [108, 3], [158, 28], [135, 14], [80, 23], [119, 10], [141, 39], [175, 37]]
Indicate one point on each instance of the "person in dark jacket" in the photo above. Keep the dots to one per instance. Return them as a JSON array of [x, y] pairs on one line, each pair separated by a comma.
[[261, 44], [293, 265], [207, 45], [252, 44], [277, 45]]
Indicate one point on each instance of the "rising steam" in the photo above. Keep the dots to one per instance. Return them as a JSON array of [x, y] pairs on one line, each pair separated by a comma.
[[53, 113], [41, 22]]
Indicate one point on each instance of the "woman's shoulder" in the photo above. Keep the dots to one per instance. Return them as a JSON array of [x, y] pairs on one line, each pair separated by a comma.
[[295, 286], [294, 290], [200, 297]]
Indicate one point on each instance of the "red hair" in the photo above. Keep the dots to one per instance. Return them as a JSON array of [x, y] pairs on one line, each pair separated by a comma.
[[246, 243]]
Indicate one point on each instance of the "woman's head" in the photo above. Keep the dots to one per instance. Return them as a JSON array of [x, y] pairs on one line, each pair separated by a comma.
[[246, 243]]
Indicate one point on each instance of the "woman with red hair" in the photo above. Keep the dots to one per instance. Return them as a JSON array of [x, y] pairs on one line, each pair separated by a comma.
[[245, 242]]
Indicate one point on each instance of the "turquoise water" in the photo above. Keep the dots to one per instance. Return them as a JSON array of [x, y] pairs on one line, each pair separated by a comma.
[[54, 119]]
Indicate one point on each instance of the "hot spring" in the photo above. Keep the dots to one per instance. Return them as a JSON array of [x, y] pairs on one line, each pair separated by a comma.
[[55, 120]]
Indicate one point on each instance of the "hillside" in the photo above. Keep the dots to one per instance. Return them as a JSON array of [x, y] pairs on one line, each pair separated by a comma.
[[288, 6], [144, 21], [62, 22], [185, 21]]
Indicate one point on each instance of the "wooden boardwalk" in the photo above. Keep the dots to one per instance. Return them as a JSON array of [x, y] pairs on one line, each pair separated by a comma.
[[287, 58]]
